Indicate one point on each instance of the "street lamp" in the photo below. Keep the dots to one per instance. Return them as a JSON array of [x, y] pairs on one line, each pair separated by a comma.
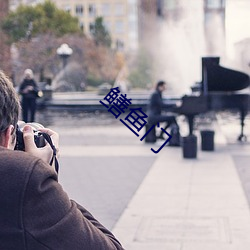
[[64, 51]]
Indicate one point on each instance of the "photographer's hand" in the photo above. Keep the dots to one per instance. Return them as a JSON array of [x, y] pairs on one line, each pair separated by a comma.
[[45, 153]]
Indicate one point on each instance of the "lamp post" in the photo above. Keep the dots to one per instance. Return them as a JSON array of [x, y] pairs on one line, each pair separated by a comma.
[[64, 51]]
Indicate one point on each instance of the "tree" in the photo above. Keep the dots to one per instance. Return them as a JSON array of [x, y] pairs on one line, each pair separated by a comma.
[[5, 62], [141, 75], [100, 33], [42, 18], [95, 64]]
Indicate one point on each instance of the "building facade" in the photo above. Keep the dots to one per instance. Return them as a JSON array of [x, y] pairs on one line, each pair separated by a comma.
[[147, 10], [15, 3], [175, 11], [120, 18]]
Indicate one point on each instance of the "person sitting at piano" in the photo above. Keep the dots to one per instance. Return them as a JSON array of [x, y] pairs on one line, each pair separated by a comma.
[[154, 110]]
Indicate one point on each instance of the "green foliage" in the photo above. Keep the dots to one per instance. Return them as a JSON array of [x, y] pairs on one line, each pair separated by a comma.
[[93, 80], [42, 18], [100, 33], [141, 74]]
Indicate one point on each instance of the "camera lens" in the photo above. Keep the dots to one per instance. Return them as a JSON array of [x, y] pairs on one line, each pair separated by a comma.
[[38, 137]]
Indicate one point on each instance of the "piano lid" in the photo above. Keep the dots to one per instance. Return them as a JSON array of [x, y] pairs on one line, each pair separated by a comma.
[[218, 78]]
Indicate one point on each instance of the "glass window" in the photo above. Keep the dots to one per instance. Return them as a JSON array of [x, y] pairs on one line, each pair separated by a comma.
[[132, 10], [106, 9], [132, 26], [79, 10], [82, 26], [92, 10], [170, 4], [67, 8], [119, 44], [214, 4], [107, 25], [119, 9], [91, 27], [119, 26]]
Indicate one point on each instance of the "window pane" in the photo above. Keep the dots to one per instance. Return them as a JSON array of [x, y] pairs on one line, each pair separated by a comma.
[[106, 9], [67, 8], [119, 27], [119, 44], [107, 25], [91, 27], [119, 9], [92, 10], [170, 4], [79, 10], [214, 4], [82, 26]]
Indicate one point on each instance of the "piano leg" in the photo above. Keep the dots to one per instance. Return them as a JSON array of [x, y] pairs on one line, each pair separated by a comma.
[[190, 123], [241, 137], [243, 114]]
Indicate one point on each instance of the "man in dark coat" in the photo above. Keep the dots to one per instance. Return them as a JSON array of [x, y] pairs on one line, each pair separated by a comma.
[[35, 212], [155, 107]]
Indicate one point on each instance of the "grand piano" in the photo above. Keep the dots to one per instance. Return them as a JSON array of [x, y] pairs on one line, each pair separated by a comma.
[[220, 89]]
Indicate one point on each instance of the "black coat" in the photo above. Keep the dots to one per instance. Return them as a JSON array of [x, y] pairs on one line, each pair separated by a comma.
[[31, 93], [155, 104]]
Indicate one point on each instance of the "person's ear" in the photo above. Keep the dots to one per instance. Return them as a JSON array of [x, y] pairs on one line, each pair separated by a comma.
[[8, 138]]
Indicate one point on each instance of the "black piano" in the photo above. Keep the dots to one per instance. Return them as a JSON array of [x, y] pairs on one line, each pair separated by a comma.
[[220, 89]]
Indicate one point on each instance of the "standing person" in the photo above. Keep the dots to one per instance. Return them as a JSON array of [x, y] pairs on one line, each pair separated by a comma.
[[35, 212], [155, 107], [29, 91]]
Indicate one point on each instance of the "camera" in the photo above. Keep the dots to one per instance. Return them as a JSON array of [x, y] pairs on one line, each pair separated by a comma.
[[38, 137]]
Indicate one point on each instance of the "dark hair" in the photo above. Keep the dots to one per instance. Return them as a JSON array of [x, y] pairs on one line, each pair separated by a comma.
[[9, 104], [159, 84]]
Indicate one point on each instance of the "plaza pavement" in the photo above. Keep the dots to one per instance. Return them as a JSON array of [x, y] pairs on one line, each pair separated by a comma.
[[191, 204], [177, 203]]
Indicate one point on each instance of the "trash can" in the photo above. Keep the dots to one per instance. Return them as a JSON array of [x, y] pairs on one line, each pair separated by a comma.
[[151, 136], [189, 146], [207, 140]]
